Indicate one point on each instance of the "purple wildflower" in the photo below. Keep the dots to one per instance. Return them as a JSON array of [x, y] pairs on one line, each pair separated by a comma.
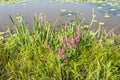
[[73, 40], [63, 49], [68, 42], [64, 56], [59, 52]]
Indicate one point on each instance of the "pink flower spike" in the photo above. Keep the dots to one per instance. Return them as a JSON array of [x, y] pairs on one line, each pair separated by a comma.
[[64, 56], [59, 52], [63, 49], [73, 40], [68, 42]]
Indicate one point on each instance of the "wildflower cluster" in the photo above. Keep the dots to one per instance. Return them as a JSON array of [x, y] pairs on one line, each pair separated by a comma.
[[69, 43]]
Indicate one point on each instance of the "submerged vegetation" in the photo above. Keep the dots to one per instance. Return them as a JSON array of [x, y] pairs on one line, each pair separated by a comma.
[[68, 53]]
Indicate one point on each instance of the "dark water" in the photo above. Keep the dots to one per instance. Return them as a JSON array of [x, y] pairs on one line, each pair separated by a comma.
[[106, 12]]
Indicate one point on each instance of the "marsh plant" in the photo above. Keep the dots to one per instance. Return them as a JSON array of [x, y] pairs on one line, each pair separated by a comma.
[[48, 53]]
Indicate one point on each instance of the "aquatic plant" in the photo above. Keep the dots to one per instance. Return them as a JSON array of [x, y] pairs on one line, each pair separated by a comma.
[[71, 1]]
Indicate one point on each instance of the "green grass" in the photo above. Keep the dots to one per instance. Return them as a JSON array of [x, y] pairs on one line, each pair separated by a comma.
[[34, 54]]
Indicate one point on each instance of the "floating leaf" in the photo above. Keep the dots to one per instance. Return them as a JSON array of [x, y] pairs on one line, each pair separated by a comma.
[[95, 21], [63, 10], [111, 4], [101, 23], [106, 15], [100, 2], [112, 9], [69, 14], [99, 7]]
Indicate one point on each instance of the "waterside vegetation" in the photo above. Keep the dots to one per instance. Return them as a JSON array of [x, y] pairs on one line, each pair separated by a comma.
[[68, 53]]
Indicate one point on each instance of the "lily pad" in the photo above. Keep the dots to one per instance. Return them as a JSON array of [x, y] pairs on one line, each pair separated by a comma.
[[106, 15], [95, 21], [112, 9], [99, 7], [63, 10], [111, 4], [69, 14], [101, 23], [100, 2]]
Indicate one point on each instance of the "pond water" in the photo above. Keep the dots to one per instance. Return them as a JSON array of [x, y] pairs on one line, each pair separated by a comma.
[[106, 12]]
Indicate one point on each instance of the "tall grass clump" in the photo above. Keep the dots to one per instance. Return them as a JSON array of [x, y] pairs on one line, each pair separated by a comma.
[[50, 53]]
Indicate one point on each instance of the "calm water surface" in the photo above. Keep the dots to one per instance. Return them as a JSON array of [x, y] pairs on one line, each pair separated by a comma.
[[106, 12]]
